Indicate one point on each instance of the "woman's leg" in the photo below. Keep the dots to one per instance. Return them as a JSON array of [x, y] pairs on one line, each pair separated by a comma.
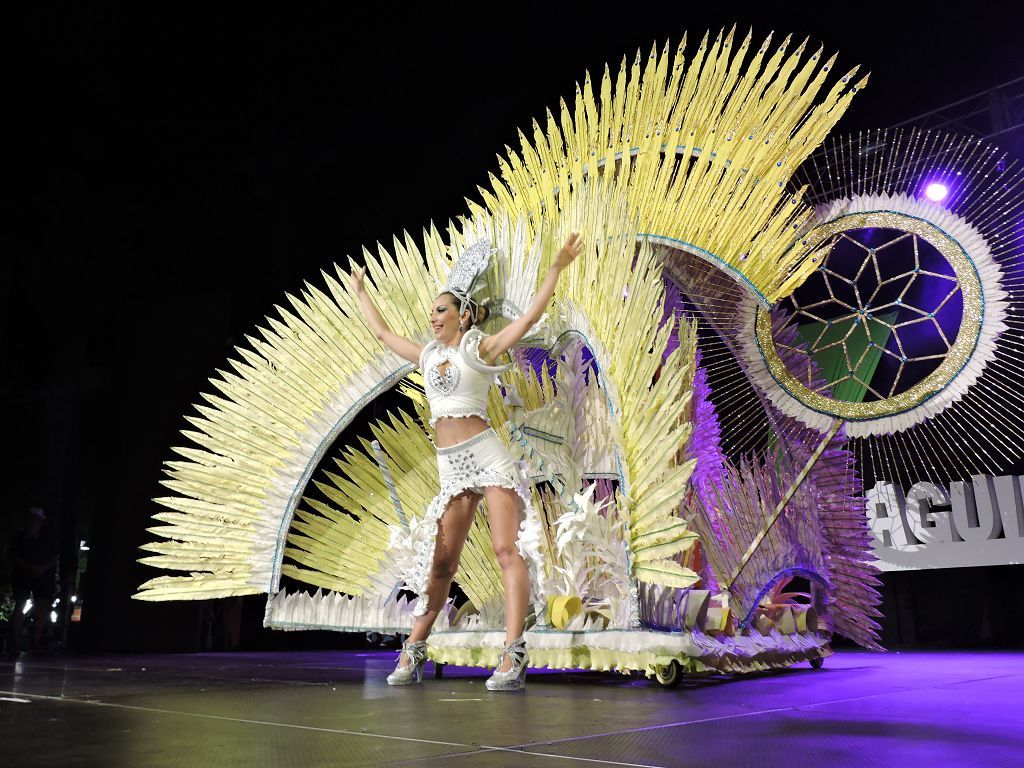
[[503, 512], [452, 530]]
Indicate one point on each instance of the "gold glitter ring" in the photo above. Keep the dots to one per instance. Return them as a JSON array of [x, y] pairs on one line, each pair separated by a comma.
[[959, 353]]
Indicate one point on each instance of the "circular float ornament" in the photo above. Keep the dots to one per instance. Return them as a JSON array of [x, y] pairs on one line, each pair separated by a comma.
[[898, 321]]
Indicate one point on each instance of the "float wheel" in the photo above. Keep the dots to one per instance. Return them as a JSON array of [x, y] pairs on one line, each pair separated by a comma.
[[669, 675]]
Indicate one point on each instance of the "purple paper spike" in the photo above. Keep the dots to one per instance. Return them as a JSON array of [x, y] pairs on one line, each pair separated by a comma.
[[673, 312], [844, 535], [705, 443]]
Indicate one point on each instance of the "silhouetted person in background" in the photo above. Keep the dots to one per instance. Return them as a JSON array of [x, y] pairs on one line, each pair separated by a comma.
[[33, 555]]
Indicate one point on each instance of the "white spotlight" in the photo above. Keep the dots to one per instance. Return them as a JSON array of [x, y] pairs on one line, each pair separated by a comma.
[[936, 192]]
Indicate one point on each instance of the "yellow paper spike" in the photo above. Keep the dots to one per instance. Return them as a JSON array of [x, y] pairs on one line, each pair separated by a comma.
[[316, 352], [745, 127], [712, 182]]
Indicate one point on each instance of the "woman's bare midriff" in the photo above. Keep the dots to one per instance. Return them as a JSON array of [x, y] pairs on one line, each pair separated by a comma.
[[451, 431]]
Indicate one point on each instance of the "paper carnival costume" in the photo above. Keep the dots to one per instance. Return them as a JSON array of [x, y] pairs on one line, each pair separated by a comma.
[[689, 418]]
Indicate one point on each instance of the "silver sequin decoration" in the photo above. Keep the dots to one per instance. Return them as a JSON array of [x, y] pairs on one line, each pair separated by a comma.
[[448, 380], [468, 268]]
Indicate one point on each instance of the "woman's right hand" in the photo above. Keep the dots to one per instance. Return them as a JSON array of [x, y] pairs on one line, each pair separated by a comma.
[[355, 281]]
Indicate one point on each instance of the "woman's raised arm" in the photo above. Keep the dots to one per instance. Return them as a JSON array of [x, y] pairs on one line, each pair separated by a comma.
[[400, 345], [493, 346]]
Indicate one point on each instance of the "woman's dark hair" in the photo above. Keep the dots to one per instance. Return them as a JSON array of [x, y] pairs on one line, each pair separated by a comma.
[[477, 313]]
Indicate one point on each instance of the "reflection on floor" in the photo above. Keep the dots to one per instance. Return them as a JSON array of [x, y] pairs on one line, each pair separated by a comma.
[[902, 709]]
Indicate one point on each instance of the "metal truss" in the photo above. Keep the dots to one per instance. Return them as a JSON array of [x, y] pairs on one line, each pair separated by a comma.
[[990, 115]]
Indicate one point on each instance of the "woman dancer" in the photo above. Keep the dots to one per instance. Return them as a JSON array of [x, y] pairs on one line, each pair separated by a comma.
[[458, 369]]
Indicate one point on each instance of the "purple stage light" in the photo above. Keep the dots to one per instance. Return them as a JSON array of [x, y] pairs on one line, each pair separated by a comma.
[[936, 192]]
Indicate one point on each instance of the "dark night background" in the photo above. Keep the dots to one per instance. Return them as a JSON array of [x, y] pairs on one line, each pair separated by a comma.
[[170, 172]]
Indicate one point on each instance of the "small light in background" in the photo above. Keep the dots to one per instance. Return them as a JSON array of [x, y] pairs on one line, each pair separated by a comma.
[[936, 192], [82, 546], [27, 607], [53, 617]]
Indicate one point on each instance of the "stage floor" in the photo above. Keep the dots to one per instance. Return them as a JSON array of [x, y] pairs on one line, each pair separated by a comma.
[[306, 709]]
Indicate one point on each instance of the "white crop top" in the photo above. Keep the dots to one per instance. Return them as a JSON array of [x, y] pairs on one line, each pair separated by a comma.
[[461, 390]]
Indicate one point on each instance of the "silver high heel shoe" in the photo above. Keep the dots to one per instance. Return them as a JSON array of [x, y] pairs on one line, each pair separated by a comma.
[[514, 678], [413, 671]]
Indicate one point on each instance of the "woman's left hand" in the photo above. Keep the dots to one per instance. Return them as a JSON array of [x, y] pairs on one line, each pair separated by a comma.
[[569, 251]]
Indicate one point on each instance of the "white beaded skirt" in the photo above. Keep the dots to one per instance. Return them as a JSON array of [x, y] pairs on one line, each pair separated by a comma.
[[477, 463], [471, 466]]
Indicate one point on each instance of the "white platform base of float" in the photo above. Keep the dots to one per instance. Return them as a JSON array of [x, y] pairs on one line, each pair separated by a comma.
[[632, 650]]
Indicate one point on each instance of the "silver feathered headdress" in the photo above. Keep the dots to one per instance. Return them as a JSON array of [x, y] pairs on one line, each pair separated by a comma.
[[465, 280]]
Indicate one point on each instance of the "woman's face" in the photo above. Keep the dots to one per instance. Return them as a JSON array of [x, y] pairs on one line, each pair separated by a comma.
[[444, 318]]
